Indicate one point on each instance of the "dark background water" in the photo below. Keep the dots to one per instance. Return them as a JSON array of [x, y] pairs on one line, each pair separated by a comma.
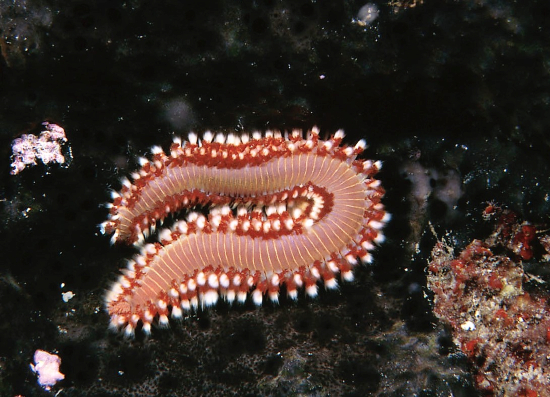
[[452, 95]]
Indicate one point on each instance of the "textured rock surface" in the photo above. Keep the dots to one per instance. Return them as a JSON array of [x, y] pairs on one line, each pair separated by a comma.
[[458, 89]]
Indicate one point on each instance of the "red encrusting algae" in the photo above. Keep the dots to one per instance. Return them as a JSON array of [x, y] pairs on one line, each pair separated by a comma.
[[283, 210], [503, 330]]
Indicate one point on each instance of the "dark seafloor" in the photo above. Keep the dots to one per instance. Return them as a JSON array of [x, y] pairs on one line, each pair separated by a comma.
[[452, 95]]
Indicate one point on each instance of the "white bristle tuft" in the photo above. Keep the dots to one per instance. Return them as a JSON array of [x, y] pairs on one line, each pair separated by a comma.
[[192, 138], [181, 226], [224, 280], [162, 304], [348, 276], [315, 273], [125, 182], [121, 320], [361, 145], [156, 150], [376, 225], [351, 259], [230, 296], [150, 249], [163, 321], [289, 224], [210, 297], [241, 296], [331, 283], [213, 281], [102, 227], [185, 305], [142, 161], [232, 139], [367, 258], [274, 296], [177, 312], [333, 267], [192, 284], [292, 294], [220, 138], [125, 283], [165, 235], [367, 245], [148, 316], [257, 297], [312, 290], [129, 331], [207, 137], [201, 222]]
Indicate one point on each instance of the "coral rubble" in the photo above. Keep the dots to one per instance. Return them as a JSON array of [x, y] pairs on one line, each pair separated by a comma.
[[45, 147], [501, 328]]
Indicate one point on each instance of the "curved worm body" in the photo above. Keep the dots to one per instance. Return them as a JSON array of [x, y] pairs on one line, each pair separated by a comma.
[[282, 210]]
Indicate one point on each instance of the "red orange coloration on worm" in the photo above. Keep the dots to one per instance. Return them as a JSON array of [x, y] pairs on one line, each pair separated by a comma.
[[282, 209]]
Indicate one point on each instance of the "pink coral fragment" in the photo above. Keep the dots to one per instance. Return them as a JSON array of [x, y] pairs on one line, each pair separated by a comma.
[[46, 147], [46, 365]]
